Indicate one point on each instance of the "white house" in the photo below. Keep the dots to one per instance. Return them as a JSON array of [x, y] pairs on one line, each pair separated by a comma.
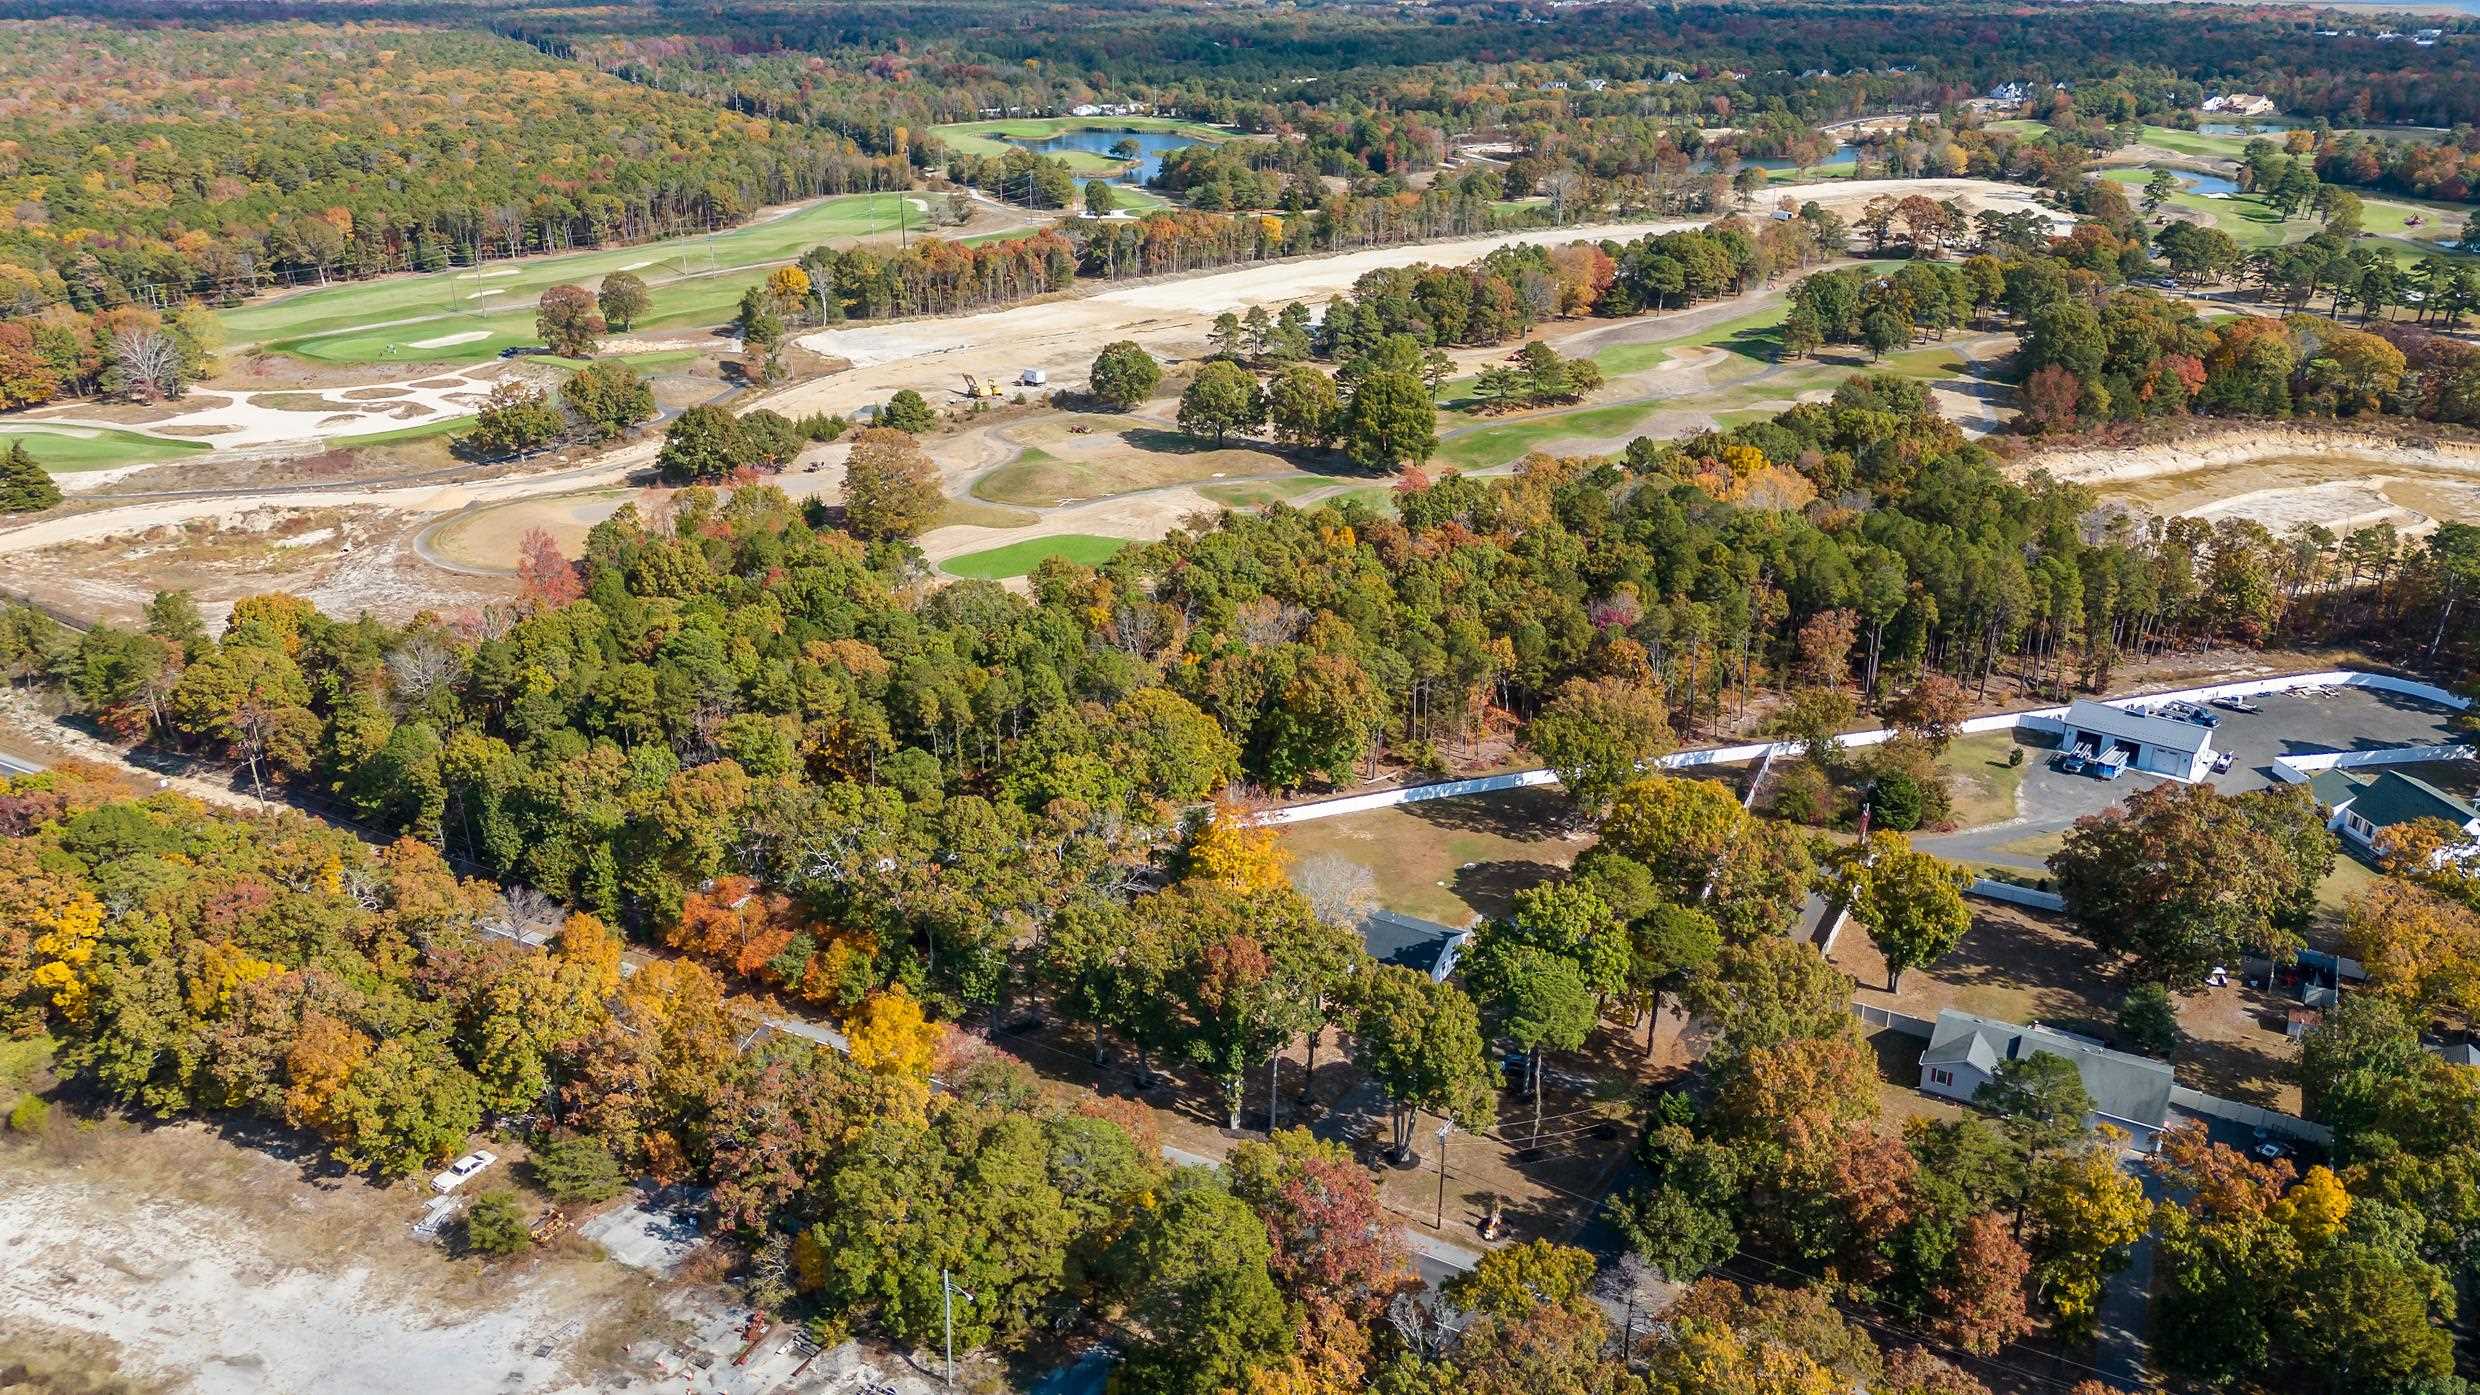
[[2009, 92], [2154, 745], [2361, 810], [2131, 1092], [2240, 104]]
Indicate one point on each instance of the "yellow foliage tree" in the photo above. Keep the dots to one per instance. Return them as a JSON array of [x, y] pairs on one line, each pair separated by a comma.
[[2314, 1209], [788, 285], [2081, 1213], [221, 970], [324, 1055], [891, 1038], [2419, 948], [1233, 852], [66, 944], [589, 955]]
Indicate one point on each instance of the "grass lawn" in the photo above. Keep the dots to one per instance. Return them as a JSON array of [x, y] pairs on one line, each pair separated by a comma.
[[1256, 493], [445, 426], [1984, 787], [1497, 445], [1451, 860], [2349, 878], [1016, 559], [70, 449], [1748, 335], [356, 322], [1151, 457], [664, 358]]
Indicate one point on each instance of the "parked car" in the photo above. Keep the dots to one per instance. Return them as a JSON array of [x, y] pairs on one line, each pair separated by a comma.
[[2068, 763], [2237, 704], [464, 1170], [2223, 762]]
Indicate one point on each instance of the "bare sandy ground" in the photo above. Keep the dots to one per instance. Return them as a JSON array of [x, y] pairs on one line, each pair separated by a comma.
[[2285, 476]]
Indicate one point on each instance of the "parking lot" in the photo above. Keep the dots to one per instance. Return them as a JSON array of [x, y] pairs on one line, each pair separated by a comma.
[[2288, 724]]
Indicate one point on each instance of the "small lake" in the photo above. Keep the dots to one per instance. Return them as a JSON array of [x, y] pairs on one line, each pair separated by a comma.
[[1151, 147], [2210, 185], [1842, 151], [2239, 128]]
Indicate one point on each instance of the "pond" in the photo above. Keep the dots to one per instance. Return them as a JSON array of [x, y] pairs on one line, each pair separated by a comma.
[[1842, 151], [2238, 128], [1151, 147], [2209, 185]]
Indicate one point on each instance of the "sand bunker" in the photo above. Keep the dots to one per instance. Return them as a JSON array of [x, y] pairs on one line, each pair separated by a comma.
[[443, 341]]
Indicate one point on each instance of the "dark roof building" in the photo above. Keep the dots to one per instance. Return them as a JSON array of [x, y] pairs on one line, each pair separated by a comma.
[[1965, 1052], [1423, 946]]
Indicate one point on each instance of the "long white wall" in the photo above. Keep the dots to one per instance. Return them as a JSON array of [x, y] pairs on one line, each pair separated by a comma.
[[2039, 718]]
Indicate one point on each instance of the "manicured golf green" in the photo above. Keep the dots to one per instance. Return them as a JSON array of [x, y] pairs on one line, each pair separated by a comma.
[[69, 449], [1017, 559], [469, 314]]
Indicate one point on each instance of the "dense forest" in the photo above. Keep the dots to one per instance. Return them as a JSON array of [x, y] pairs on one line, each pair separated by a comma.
[[155, 164]]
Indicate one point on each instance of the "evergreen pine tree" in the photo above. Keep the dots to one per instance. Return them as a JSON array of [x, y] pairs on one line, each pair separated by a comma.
[[25, 486]]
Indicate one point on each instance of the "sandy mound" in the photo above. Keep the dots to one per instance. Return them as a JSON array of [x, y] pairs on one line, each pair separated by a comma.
[[2247, 445]]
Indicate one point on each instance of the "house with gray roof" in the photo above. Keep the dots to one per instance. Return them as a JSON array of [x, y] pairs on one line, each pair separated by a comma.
[[2142, 741], [2131, 1092], [2361, 810], [1423, 946]]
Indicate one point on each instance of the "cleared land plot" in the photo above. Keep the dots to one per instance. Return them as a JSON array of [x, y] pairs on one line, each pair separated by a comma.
[[1984, 787], [1453, 860], [70, 449], [1018, 558], [489, 538], [2026, 966], [369, 321]]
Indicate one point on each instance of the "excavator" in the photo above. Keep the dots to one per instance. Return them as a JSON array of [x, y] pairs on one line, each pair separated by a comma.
[[980, 387]]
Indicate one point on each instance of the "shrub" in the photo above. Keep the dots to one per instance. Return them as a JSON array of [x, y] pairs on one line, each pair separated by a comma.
[[1897, 801], [29, 1114], [906, 411], [2148, 1021], [495, 1226], [577, 1169]]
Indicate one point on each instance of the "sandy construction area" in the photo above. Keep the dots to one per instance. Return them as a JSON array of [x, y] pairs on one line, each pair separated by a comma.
[[1170, 317], [2282, 477]]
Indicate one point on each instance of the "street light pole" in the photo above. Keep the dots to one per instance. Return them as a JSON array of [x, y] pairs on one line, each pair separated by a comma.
[[947, 1313], [1444, 1128]]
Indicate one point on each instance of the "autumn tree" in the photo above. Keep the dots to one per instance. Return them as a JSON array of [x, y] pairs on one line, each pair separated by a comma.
[[1420, 1042], [2420, 948], [1330, 1234], [701, 446], [891, 489], [568, 320], [622, 297], [1910, 902], [2082, 1213], [2183, 877], [607, 397], [1597, 733]]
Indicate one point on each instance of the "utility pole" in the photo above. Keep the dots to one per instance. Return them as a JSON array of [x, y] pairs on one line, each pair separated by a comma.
[[947, 1311], [1445, 1127], [1274, 1092]]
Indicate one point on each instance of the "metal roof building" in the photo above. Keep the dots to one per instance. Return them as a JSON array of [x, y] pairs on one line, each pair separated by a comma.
[[2155, 745]]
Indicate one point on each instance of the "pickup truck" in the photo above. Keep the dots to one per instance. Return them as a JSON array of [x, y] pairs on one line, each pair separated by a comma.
[[2236, 704]]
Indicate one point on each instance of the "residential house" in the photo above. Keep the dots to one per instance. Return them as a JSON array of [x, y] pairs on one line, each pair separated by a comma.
[[2362, 810], [1423, 946], [2130, 1092]]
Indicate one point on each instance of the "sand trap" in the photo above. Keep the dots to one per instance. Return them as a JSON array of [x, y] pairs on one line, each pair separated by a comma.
[[443, 341], [488, 275], [635, 265]]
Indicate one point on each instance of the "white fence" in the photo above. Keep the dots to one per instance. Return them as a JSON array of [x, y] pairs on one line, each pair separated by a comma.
[[2251, 1116], [1903, 1022], [2009, 892], [2298, 770], [2039, 718]]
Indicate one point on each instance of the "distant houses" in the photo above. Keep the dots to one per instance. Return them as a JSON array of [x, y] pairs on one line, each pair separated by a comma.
[[2239, 104]]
